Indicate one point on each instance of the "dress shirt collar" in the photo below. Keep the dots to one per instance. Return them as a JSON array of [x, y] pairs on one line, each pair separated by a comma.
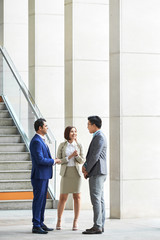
[[43, 138], [95, 133], [71, 144]]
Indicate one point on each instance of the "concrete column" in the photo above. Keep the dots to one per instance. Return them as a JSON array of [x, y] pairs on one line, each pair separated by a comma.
[[134, 108], [86, 71], [1, 21], [1, 43], [14, 33], [46, 62]]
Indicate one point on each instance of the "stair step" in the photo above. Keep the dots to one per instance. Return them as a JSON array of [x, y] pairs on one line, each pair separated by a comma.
[[9, 130], [2, 106], [15, 184], [6, 122], [14, 156], [4, 114], [10, 139], [15, 165], [16, 195], [24, 204], [12, 147], [16, 190], [15, 174]]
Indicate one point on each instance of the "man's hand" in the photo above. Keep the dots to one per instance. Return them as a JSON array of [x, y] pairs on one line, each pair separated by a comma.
[[57, 160], [83, 169], [85, 173]]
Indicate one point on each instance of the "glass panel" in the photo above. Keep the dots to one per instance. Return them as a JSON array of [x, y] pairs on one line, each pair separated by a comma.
[[22, 107], [18, 102]]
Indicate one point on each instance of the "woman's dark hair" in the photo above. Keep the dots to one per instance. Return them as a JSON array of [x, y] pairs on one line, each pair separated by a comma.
[[67, 132], [39, 123], [95, 120]]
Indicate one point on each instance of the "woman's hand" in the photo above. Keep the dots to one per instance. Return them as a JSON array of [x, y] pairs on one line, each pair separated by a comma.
[[74, 154]]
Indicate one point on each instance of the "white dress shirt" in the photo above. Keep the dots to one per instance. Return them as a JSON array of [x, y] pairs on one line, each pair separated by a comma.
[[43, 138], [71, 147]]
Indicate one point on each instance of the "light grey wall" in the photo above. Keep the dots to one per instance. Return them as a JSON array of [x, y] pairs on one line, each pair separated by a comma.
[[87, 72], [134, 108]]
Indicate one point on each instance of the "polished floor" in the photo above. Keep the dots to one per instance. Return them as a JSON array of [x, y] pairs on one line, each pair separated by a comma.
[[16, 225]]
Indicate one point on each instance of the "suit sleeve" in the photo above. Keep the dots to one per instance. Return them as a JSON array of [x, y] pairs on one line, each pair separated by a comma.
[[64, 160], [95, 153], [38, 155], [80, 157]]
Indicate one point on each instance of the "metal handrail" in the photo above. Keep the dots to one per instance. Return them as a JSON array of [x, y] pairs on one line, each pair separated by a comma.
[[33, 106], [20, 129], [24, 89]]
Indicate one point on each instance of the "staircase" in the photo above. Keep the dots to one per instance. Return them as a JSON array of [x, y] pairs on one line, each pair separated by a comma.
[[15, 167]]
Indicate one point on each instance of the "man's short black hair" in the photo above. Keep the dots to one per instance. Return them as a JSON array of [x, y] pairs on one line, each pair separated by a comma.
[[95, 120], [39, 123]]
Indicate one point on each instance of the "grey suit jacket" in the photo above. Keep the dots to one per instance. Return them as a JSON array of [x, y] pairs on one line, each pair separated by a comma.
[[96, 160]]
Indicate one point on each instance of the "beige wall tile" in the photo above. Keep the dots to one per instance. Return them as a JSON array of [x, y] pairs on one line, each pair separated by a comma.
[[90, 29], [140, 20]]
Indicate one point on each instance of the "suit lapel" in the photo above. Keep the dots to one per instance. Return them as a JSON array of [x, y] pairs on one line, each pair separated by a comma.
[[45, 145], [90, 146], [92, 142]]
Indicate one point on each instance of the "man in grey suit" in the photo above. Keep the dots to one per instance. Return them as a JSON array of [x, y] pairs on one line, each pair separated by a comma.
[[95, 168]]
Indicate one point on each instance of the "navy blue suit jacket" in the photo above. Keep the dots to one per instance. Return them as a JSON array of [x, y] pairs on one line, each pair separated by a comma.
[[41, 159]]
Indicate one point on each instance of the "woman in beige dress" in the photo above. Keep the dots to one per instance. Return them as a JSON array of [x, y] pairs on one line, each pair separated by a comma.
[[70, 153]]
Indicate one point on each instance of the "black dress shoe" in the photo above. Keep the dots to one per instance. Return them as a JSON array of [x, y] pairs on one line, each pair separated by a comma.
[[89, 229], [38, 230], [45, 228], [92, 230]]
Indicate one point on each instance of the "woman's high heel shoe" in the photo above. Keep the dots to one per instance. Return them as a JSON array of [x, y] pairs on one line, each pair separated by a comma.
[[58, 225], [75, 225]]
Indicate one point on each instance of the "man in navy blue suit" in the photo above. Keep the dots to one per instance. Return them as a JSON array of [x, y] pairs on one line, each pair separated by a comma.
[[41, 173]]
